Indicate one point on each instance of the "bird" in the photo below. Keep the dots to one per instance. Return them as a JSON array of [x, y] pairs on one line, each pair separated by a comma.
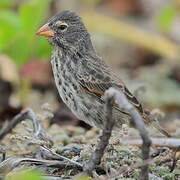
[[81, 75]]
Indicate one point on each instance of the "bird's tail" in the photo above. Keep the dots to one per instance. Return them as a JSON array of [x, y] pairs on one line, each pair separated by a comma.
[[156, 125], [149, 119]]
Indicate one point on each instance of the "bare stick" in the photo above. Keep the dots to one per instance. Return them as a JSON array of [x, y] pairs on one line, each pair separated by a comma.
[[137, 120], [12, 162], [25, 114], [49, 154], [41, 134], [172, 143], [39, 131], [104, 139], [22, 116]]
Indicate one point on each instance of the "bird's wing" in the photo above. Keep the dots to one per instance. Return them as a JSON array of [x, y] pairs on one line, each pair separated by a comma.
[[98, 78]]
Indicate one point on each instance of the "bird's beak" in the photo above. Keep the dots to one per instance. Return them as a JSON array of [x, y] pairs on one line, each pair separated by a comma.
[[45, 31]]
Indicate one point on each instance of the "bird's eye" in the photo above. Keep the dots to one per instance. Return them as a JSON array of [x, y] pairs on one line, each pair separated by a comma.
[[62, 27]]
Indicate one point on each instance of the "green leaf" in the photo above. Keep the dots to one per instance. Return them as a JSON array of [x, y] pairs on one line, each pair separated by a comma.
[[10, 18], [17, 32], [6, 3], [42, 48], [25, 175], [83, 177], [32, 14], [165, 17], [10, 24]]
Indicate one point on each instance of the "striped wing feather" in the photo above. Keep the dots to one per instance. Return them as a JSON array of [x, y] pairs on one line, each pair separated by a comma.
[[102, 79]]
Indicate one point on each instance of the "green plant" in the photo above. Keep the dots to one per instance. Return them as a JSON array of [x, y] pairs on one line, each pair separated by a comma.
[[6, 3], [165, 16], [25, 175], [17, 32]]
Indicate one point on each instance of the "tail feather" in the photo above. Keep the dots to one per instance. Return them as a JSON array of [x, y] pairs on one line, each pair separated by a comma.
[[160, 129], [149, 119]]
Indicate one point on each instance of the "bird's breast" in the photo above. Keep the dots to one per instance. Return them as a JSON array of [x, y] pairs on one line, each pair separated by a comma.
[[83, 105], [66, 84]]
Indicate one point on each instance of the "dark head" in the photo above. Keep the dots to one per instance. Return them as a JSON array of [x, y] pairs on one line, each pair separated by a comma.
[[67, 31]]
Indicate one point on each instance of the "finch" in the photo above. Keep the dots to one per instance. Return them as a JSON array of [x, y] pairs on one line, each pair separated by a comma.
[[81, 76]]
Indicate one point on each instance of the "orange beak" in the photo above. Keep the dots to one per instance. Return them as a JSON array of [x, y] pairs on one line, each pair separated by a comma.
[[45, 31]]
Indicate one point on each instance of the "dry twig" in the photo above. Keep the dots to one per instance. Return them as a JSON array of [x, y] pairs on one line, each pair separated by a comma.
[[137, 120], [104, 138], [25, 114], [47, 153], [111, 96], [13, 162], [172, 143], [39, 134]]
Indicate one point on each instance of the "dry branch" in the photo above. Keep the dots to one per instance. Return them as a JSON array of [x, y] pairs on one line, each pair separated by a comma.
[[104, 139], [25, 114], [171, 143], [46, 152], [39, 134], [137, 120], [12, 162], [111, 96]]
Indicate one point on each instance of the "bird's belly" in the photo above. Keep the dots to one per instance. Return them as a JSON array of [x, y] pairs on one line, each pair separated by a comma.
[[65, 88], [85, 106], [68, 89]]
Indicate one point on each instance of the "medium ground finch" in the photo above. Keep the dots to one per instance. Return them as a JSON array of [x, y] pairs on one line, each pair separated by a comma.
[[81, 76]]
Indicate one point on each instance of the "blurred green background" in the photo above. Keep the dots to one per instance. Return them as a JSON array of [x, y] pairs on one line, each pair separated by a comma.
[[18, 22]]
